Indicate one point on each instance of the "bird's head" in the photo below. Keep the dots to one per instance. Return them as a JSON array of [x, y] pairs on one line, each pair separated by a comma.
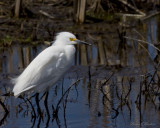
[[67, 38]]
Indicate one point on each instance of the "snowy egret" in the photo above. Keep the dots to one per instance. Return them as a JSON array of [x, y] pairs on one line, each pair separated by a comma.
[[49, 66]]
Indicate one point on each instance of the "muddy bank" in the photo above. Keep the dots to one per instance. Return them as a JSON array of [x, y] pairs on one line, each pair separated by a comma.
[[39, 21], [35, 27]]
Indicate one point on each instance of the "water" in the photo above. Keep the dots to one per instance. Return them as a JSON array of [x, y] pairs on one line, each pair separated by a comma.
[[115, 88]]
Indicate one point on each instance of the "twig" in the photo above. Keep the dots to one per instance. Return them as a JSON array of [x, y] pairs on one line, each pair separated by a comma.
[[66, 93], [46, 14], [154, 74], [4, 107], [103, 84], [117, 113], [139, 34], [147, 52], [131, 15], [149, 16], [142, 41], [132, 7], [32, 108], [130, 88], [6, 112], [2, 120]]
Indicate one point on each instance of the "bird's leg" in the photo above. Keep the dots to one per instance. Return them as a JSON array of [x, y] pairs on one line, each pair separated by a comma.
[[46, 104], [37, 102]]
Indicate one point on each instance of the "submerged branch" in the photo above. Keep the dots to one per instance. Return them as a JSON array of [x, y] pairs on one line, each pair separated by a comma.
[[66, 93], [4, 107], [6, 112]]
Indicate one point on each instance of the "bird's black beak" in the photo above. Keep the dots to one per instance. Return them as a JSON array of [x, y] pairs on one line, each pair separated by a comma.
[[82, 42]]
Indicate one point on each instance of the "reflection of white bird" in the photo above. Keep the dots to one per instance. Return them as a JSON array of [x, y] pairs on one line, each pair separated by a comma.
[[48, 67]]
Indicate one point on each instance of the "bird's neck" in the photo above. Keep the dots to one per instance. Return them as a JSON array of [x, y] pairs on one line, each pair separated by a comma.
[[70, 51], [59, 42]]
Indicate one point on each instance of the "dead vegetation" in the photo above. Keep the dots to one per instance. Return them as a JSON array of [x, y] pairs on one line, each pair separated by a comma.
[[119, 90], [39, 20]]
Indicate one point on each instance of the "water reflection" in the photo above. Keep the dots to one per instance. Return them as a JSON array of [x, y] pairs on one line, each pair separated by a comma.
[[118, 88], [152, 36]]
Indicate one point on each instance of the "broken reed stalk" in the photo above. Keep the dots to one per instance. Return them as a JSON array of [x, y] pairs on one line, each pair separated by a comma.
[[18, 4], [80, 10]]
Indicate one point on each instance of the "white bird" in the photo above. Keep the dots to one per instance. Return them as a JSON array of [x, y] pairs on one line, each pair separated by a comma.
[[48, 67]]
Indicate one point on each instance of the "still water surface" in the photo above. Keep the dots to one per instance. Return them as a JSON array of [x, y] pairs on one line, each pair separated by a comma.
[[116, 88]]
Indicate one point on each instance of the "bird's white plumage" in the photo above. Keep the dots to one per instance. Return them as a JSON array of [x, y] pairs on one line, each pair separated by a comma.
[[48, 67]]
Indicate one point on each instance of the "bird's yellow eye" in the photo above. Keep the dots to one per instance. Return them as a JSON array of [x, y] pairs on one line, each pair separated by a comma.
[[72, 39]]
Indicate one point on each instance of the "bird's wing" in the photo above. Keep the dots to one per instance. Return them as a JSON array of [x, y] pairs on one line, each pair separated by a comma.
[[48, 65]]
